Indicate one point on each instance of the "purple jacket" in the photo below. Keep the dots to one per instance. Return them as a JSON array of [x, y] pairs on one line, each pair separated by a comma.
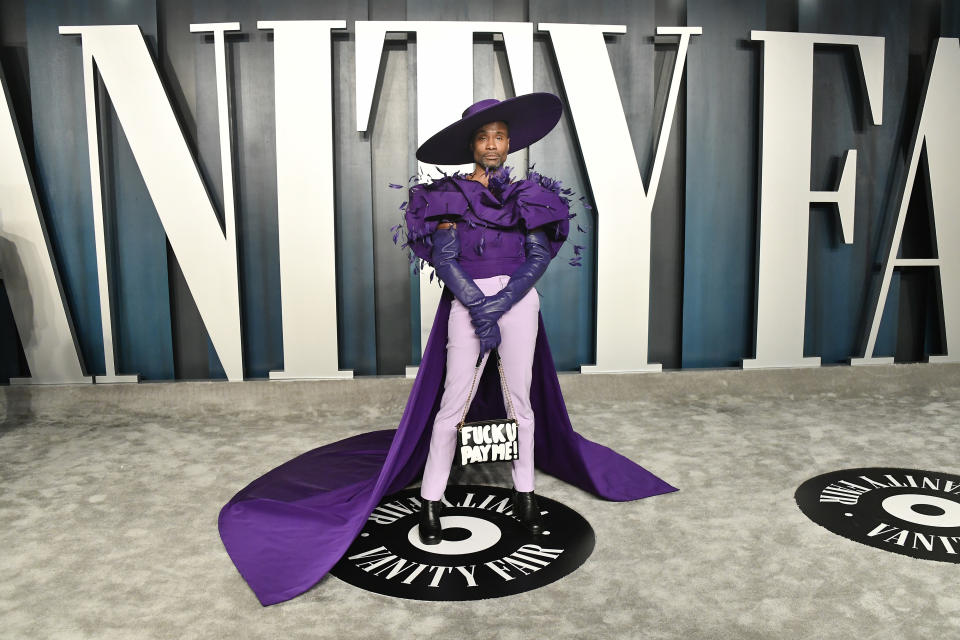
[[491, 222]]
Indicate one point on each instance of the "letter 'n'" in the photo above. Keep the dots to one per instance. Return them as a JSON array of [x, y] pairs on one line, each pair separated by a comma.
[[938, 131], [207, 255]]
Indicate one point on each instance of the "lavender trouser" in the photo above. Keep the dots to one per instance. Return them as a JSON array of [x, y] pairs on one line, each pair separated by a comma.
[[518, 337]]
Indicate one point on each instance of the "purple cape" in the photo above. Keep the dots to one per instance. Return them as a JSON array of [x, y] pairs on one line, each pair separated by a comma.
[[285, 530]]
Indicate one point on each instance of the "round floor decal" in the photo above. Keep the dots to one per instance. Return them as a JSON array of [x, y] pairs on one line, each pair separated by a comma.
[[485, 551], [915, 513]]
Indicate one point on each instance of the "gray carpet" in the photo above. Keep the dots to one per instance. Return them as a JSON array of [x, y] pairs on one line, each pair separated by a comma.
[[110, 494]]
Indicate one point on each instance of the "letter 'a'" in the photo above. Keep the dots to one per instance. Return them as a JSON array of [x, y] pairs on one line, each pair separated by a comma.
[[938, 132]]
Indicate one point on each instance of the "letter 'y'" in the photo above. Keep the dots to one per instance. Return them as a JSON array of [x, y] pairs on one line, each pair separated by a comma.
[[623, 259]]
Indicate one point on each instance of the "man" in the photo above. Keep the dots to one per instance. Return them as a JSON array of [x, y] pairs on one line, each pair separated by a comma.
[[488, 242], [489, 239]]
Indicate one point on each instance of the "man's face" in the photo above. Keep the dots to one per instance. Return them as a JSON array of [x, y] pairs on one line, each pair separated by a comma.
[[491, 144]]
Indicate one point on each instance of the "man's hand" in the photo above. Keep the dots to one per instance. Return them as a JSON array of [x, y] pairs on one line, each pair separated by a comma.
[[489, 310], [489, 335]]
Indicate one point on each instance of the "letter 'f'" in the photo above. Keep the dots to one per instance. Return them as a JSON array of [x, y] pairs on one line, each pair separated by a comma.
[[785, 194]]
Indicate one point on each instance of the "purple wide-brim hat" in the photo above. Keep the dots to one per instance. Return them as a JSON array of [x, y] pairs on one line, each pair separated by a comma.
[[529, 118]]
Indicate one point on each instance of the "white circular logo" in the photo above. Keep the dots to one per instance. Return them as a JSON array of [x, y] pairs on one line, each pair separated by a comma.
[[483, 535], [484, 551], [912, 507], [912, 512]]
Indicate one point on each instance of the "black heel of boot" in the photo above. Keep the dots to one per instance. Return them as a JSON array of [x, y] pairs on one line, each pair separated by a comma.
[[430, 530], [526, 509]]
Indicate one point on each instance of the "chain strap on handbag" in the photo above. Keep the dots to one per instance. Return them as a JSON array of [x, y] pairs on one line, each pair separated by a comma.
[[492, 440]]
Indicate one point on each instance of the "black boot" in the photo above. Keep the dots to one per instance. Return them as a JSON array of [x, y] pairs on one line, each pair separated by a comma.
[[525, 508], [430, 530]]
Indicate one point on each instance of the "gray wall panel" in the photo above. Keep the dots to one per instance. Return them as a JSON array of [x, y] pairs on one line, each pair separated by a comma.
[[839, 276], [392, 142], [62, 175], [722, 177], [666, 254], [356, 234], [177, 64], [255, 160], [391, 138]]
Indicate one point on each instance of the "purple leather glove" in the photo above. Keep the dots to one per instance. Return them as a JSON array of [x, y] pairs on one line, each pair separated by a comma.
[[443, 256], [537, 249]]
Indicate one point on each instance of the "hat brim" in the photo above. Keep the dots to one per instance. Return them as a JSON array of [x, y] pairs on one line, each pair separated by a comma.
[[529, 117]]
